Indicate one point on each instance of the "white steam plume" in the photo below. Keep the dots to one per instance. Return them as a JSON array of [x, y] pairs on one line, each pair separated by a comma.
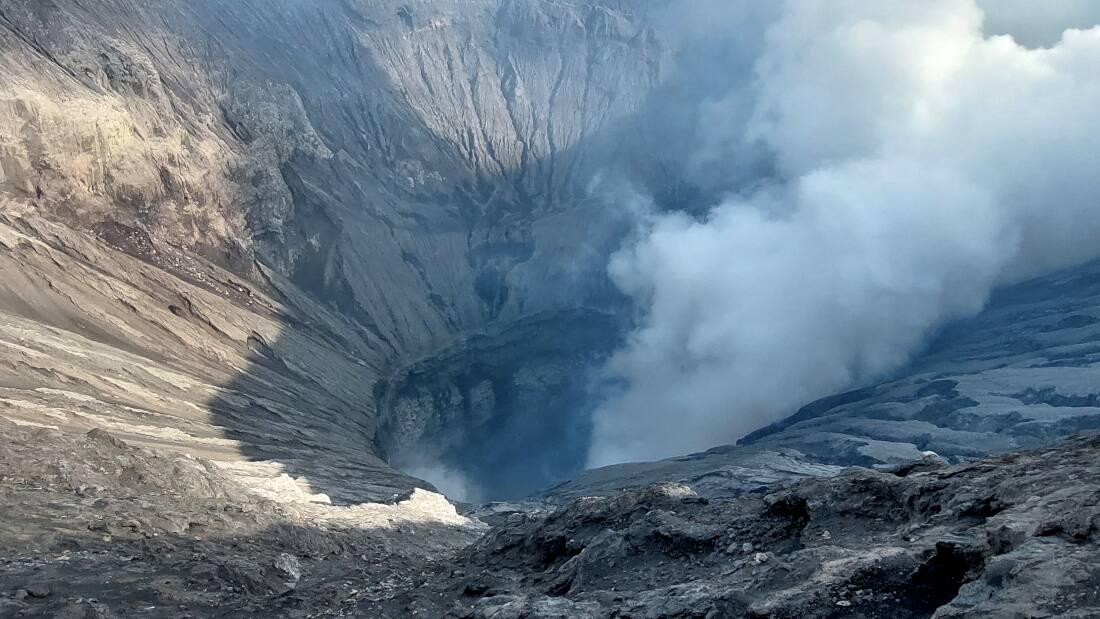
[[920, 159], [451, 482]]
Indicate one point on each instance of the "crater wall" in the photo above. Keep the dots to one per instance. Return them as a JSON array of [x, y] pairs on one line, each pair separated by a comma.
[[380, 182]]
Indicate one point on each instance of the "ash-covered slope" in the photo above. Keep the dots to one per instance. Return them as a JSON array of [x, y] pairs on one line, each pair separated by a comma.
[[406, 158], [204, 362], [227, 224]]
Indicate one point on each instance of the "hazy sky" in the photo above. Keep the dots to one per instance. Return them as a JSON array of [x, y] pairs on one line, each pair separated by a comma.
[[919, 153]]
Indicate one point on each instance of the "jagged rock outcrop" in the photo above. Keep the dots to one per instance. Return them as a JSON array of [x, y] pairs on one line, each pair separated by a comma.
[[1013, 536]]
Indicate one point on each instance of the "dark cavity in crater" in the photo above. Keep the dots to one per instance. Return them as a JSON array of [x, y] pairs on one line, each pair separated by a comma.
[[502, 415]]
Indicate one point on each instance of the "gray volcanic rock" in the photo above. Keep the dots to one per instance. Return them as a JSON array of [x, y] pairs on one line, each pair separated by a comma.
[[1022, 373], [95, 526], [1009, 536]]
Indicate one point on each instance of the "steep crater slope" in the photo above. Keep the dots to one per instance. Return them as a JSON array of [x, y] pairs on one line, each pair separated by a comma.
[[256, 216]]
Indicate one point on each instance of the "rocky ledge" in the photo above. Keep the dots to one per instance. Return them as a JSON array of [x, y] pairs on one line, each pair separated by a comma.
[[1012, 536], [94, 527], [91, 526]]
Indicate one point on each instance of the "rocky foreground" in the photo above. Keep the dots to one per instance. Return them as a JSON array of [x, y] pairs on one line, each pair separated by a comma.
[[93, 527]]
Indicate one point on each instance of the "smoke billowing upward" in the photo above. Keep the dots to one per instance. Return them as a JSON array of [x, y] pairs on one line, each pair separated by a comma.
[[917, 155]]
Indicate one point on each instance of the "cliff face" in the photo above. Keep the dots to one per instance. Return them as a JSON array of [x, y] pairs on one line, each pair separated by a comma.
[[283, 203], [413, 150]]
